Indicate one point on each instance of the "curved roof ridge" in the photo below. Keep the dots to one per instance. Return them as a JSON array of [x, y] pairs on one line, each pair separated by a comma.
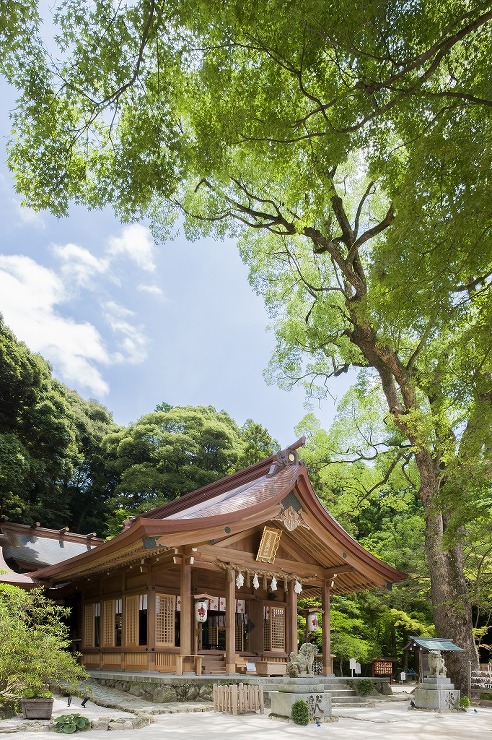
[[269, 465]]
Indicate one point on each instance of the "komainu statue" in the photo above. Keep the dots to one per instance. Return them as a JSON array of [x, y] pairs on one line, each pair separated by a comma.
[[302, 663], [437, 667]]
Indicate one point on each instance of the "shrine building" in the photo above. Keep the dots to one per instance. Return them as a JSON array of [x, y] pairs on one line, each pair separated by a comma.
[[211, 580]]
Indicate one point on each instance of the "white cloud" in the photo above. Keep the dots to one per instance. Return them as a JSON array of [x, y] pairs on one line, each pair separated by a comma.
[[137, 244], [28, 216], [29, 296], [153, 289], [113, 309], [79, 265], [133, 342]]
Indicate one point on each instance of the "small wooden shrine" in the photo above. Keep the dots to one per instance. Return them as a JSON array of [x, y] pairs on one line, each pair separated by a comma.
[[210, 581]]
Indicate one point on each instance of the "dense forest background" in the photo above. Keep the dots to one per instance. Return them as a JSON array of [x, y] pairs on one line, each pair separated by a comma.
[[64, 462]]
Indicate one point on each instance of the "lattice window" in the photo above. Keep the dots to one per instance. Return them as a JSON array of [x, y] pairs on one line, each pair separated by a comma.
[[131, 620], [213, 631], [89, 631], [274, 628], [165, 608], [108, 631], [239, 634], [266, 628], [277, 628]]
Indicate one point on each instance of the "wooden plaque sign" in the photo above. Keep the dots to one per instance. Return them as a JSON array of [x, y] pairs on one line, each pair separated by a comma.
[[382, 668], [270, 541]]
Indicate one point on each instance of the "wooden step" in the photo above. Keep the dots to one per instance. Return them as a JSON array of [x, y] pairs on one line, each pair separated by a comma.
[[213, 664]]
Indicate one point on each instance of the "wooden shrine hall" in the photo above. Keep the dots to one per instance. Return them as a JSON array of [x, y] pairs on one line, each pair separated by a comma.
[[211, 580]]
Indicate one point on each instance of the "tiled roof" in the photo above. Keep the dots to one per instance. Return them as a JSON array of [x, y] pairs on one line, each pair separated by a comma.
[[435, 643], [212, 490]]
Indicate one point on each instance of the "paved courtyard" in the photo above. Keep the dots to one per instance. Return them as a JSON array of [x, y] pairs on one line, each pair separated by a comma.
[[387, 719]]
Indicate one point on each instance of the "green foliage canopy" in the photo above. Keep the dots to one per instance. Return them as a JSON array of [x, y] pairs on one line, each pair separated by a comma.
[[350, 149], [51, 460], [173, 451]]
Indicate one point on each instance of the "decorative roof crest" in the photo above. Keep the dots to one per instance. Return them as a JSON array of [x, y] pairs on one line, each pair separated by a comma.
[[283, 459], [291, 519]]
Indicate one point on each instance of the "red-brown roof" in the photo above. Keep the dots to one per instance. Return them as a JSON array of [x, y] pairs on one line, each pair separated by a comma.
[[241, 502]]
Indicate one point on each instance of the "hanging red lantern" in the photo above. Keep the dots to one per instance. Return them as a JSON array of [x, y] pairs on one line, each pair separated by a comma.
[[201, 609], [313, 621]]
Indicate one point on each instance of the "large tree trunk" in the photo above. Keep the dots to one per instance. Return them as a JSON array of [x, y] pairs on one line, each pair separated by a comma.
[[449, 590], [450, 600]]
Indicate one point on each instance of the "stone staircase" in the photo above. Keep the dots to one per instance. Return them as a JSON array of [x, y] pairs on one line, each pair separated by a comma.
[[342, 695]]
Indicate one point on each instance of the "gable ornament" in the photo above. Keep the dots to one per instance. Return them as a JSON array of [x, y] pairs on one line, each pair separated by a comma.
[[290, 519]]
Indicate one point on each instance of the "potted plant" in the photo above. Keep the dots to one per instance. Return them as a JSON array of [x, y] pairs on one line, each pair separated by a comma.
[[37, 703], [34, 657]]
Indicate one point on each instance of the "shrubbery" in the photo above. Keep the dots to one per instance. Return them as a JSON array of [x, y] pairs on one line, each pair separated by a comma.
[[70, 723], [363, 686], [34, 646], [300, 712]]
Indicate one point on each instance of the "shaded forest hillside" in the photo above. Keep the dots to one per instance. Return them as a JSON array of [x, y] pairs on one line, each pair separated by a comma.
[[64, 462]]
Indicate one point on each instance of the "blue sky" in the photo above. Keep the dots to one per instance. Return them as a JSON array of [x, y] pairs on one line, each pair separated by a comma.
[[131, 323]]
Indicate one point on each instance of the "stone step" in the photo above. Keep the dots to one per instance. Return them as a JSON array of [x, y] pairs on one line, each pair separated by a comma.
[[345, 701]]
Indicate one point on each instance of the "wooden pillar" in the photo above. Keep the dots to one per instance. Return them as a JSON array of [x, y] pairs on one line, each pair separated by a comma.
[[230, 622], [326, 638], [292, 638], [186, 616], [123, 636], [151, 626]]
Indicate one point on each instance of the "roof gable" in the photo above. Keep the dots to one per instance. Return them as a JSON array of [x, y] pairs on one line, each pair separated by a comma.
[[276, 492]]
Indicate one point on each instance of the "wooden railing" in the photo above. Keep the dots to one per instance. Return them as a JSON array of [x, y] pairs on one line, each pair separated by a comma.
[[238, 698]]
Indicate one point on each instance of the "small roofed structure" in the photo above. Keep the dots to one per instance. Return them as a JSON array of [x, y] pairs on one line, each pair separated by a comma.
[[214, 577], [24, 547], [424, 645]]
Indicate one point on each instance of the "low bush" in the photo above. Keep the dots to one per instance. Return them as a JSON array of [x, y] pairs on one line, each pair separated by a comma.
[[300, 712], [363, 686], [35, 646]]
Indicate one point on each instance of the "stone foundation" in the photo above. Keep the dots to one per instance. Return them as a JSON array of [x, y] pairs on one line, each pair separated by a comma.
[[314, 694], [436, 693], [161, 693]]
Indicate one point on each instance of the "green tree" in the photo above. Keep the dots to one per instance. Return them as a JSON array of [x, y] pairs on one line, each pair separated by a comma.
[[257, 444], [52, 463], [37, 439], [92, 482], [351, 634], [350, 149], [35, 642], [171, 452], [15, 466]]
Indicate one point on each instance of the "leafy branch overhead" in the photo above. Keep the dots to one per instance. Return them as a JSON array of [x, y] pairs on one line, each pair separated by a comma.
[[348, 148]]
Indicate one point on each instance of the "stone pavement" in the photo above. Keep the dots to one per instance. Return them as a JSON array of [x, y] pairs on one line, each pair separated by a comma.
[[383, 719]]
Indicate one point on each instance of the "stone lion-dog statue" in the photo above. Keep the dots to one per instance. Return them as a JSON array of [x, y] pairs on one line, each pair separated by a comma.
[[302, 663], [437, 667]]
